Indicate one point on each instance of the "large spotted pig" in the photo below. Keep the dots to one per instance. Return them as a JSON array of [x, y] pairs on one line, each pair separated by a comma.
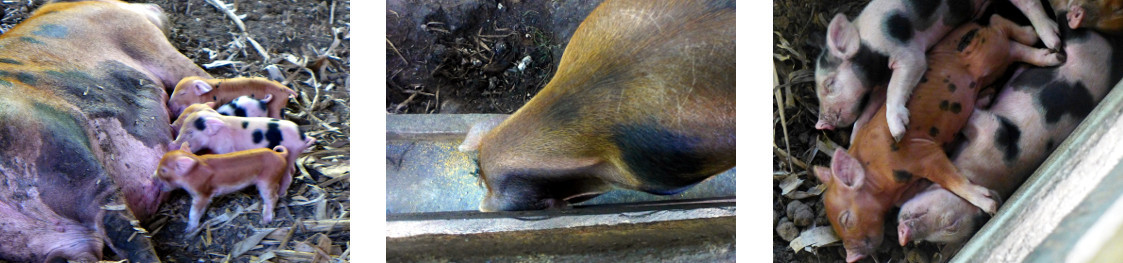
[[194, 90], [878, 171], [642, 99], [83, 123], [206, 129], [890, 37], [1033, 113]]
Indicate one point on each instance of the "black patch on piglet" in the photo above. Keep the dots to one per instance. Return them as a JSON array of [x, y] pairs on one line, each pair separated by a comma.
[[956, 108], [239, 111], [245, 124], [898, 27], [1049, 145], [871, 67], [200, 124], [902, 176], [934, 132], [1060, 98], [1006, 139], [1034, 78], [273, 134], [661, 159], [966, 40], [258, 136]]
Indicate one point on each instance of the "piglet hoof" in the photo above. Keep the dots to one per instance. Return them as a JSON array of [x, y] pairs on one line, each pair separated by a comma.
[[898, 120], [985, 198], [1049, 34]]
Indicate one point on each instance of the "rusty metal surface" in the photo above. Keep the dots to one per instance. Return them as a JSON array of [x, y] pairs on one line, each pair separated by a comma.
[[426, 173], [1050, 195]]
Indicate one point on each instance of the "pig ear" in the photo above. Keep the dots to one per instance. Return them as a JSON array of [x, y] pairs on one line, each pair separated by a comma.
[[213, 126], [184, 164], [823, 173], [842, 37], [185, 147], [200, 87], [210, 104], [847, 170], [475, 135], [268, 97]]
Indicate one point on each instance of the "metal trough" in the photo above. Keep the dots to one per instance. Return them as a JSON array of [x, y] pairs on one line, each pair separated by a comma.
[[432, 198], [1071, 208]]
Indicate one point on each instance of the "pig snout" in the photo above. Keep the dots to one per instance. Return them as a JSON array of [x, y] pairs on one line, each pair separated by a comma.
[[853, 255], [824, 125], [905, 231]]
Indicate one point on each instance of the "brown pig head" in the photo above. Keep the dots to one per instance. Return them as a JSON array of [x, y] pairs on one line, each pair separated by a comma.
[[856, 215]]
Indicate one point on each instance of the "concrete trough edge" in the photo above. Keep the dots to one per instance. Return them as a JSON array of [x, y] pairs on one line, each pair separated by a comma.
[[472, 222]]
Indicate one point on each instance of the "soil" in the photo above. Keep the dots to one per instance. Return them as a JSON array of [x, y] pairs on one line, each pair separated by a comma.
[[309, 43], [448, 56]]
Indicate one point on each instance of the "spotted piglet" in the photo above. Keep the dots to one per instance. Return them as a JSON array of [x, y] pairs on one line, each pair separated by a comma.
[[193, 90], [187, 112], [246, 106], [211, 175], [206, 129], [1102, 15], [890, 37], [1036, 110]]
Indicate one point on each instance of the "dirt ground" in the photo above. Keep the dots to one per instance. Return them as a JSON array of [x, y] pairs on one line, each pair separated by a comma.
[[447, 56], [309, 44]]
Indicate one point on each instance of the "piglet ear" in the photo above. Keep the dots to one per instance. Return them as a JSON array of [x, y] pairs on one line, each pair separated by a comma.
[[184, 165], [213, 126], [842, 37], [210, 104], [847, 170], [201, 87], [268, 97], [185, 147]]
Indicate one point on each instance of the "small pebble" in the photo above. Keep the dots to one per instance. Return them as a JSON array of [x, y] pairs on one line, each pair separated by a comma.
[[787, 230], [800, 213]]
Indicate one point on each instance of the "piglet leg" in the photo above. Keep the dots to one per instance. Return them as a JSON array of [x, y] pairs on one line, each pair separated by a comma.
[[198, 207], [1020, 49], [269, 195], [1046, 27], [907, 66], [932, 163]]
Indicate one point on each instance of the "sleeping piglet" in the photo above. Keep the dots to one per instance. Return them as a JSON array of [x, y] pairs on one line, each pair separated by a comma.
[[1036, 110], [246, 106], [225, 134], [193, 90], [210, 175], [1102, 15]]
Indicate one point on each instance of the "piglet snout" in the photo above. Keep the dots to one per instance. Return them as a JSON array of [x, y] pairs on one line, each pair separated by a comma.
[[824, 125]]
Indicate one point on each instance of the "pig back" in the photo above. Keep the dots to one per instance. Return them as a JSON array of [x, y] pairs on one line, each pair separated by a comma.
[[644, 86]]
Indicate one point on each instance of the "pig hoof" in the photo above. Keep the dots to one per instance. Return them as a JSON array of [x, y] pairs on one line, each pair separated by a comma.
[[898, 120], [1048, 34]]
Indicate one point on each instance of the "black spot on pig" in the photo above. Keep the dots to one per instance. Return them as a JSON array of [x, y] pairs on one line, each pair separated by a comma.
[[565, 110], [1049, 145], [966, 40], [871, 67], [115, 90], [1034, 78], [956, 108], [902, 176], [52, 31], [214, 98], [661, 159], [10, 61], [273, 134], [200, 124], [951, 87], [972, 85], [898, 27], [258, 136], [245, 124], [239, 111], [943, 105], [31, 40], [933, 131], [959, 11], [826, 61], [1006, 139], [1060, 98], [68, 171], [924, 78], [261, 105], [26, 78], [923, 8]]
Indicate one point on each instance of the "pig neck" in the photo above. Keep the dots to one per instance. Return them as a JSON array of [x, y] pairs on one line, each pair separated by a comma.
[[871, 148]]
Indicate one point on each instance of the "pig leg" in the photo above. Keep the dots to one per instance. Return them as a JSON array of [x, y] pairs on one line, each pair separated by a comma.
[[935, 166], [1024, 36], [907, 66], [268, 191], [198, 207], [1046, 27]]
